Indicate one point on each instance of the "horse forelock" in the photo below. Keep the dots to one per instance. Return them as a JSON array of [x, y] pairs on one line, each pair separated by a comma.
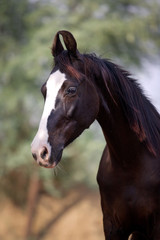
[[65, 64]]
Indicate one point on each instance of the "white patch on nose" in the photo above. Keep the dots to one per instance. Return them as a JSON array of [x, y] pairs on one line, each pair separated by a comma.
[[53, 86]]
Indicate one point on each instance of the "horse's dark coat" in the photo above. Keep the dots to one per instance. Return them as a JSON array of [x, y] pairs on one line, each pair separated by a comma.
[[129, 171]]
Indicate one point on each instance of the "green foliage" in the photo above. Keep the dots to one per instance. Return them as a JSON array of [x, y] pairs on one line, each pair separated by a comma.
[[125, 30]]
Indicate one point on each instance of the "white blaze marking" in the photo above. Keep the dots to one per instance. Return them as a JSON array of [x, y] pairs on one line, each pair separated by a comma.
[[53, 85]]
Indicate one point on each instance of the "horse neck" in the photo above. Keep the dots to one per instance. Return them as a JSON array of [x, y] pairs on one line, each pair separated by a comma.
[[121, 140], [117, 132]]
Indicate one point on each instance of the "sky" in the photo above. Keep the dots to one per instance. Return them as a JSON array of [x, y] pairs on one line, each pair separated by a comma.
[[149, 78]]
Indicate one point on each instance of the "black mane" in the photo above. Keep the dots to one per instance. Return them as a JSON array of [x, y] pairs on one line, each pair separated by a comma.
[[140, 113]]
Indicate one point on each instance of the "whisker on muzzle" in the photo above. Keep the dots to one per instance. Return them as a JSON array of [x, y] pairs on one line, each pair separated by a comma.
[[59, 169]]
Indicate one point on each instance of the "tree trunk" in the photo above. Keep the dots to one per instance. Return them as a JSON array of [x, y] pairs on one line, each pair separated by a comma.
[[33, 196]]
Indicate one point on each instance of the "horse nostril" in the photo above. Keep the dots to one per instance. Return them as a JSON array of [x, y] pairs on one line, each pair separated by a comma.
[[44, 154], [34, 156]]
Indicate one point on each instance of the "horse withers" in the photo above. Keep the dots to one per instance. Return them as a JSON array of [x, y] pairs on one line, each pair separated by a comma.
[[82, 88]]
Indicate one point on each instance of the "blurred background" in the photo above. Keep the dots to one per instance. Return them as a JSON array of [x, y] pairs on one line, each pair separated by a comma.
[[37, 203]]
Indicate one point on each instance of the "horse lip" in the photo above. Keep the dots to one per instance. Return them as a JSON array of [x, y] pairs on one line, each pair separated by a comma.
[[46, 164], [50, 165]]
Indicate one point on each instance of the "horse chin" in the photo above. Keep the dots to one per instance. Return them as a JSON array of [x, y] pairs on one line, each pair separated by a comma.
[[54, 160]]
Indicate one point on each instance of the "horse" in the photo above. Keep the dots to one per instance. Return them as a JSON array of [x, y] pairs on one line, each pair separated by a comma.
[[83, 88]]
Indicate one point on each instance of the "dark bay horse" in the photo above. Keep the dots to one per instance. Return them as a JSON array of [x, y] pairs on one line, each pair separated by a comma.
[[82, 88]]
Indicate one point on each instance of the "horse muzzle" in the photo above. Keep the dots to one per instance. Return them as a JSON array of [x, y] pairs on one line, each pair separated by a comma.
[[45, 156]]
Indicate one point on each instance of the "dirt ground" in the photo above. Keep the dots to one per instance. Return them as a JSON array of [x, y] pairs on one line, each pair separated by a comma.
[[76, 216]]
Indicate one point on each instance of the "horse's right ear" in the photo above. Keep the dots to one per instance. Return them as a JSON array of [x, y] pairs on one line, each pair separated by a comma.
[[57, 46], [69, 42]]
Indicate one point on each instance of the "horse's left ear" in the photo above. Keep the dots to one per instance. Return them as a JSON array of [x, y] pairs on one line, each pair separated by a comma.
[[69, 41]]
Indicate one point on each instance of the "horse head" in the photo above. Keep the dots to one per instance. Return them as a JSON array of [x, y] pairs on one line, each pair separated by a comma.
[[71, 103]]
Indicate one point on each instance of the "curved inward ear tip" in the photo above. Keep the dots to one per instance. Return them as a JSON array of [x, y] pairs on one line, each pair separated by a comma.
[[57, 46], [69, 42]]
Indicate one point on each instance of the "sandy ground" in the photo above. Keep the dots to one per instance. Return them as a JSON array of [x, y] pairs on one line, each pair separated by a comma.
[[76, 216]]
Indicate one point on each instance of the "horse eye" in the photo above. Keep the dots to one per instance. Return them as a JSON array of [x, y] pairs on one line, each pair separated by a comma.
[[71, 90]]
